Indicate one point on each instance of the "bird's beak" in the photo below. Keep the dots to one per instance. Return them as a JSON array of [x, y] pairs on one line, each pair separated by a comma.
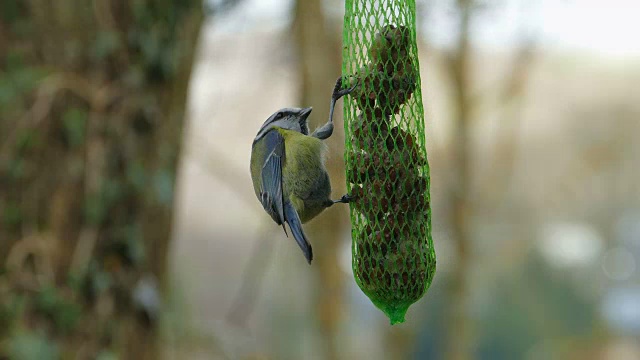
[[304, 114]]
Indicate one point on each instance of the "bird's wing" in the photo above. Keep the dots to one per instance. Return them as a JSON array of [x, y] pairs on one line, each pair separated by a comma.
[[296, 228], [271, 195]]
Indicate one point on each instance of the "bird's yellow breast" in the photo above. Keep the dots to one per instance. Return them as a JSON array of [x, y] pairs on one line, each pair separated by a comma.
[[305, 179], [302, 151]]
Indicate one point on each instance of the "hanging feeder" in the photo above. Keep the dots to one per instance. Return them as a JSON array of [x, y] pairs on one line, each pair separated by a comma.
[[385, 154]]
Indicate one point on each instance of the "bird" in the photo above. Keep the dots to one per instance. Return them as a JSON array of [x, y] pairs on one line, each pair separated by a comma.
[[288, 168]]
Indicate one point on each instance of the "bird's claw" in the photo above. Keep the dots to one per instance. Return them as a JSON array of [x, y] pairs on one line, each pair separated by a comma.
[[346, 198], [338, 92]]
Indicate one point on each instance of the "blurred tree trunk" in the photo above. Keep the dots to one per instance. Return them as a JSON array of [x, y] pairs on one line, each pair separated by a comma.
[[461, 337], [319, 57], [92, 101], [459, 340]]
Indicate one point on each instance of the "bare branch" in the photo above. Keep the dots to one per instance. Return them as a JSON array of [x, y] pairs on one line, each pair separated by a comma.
[[505, 152], [459, 337], [245, 300]]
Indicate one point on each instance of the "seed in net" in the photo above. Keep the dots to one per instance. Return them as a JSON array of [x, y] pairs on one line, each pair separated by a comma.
[[370, 126], [382, 188], [403, 148], [368, 78], [375, 166], [357, 193], [397, 90], [369, 206], [415, 203], [412, 185], [379, 122], [387, 42], [394, 225], [367, 167], [380, 48], [361, 170]]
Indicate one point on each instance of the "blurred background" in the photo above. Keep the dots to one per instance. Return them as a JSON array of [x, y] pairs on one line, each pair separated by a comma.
[[129, 228]]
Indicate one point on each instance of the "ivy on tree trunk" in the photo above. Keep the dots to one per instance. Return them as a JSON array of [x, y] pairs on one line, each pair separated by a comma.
[[92, 105]]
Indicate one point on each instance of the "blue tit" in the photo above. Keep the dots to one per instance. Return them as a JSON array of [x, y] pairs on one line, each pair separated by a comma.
[[288, 168]]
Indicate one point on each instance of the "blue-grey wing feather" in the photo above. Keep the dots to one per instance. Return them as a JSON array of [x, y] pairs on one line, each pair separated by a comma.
[[271, 195]]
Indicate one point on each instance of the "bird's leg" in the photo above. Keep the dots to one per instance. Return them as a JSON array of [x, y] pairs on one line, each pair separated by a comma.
[[326, 130], [345, 199]]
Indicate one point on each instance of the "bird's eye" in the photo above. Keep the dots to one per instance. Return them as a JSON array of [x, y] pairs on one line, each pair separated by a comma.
[[278, 116]]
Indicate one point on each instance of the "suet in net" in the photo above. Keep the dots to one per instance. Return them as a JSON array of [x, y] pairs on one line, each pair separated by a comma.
[[386, 158]]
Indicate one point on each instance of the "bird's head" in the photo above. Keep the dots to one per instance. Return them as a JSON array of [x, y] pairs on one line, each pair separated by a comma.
[[294, 119]]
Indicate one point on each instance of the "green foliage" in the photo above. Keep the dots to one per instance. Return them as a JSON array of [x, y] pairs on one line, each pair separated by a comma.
[[11, 215], [64, 312], [12, 17], [160, 52], [94, 209], [107, 355], [106, 44], [163, 186], [96, 282], [27, 140], [9, 10], [101, 281], [18, 81], [130, 244], [137, 176], [11, 308], [121, 63], [74, 122], [98, 204], [31, 345]]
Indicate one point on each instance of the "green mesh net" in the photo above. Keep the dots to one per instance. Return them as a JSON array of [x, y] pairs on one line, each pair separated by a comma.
[[387, 169]]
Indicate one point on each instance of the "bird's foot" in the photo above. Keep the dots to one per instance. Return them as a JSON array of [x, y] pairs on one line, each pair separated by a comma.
[[345, 199], [339, 92]]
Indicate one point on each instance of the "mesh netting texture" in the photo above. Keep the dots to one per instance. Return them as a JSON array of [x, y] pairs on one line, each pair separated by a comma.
[[387, 170]]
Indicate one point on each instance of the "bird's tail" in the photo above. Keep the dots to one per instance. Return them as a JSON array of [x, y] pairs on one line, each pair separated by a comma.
[[291, 216]]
